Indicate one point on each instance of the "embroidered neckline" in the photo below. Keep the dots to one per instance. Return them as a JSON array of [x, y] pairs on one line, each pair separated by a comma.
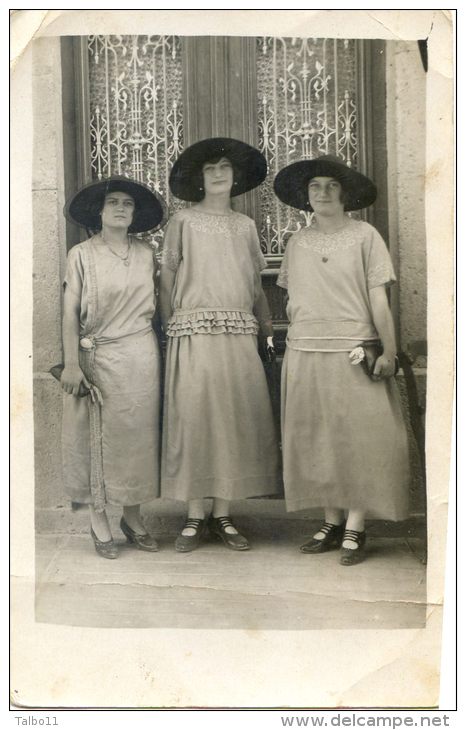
[[229, 224], [348, 224], [209, 213], [324, 244]]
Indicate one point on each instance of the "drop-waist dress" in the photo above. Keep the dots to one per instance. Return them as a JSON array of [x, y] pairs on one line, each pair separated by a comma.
[[219, 437], [344, 438], [111, 451]]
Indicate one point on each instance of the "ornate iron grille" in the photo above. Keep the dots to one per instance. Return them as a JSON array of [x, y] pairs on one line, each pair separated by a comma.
[[306, 107], [136, 109]]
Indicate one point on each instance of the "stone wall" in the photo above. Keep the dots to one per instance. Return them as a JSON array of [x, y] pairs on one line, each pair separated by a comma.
[[406, 155], [48, 265], [406, 142]]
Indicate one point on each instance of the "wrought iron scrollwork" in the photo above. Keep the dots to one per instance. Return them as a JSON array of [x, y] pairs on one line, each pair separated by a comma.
[[136, 120], [306, 107]]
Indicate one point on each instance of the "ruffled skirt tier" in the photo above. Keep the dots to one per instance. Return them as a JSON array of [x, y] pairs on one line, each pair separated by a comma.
[[212, 321]]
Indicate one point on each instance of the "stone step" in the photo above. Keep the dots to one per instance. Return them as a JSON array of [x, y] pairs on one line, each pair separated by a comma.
[[264, 517]]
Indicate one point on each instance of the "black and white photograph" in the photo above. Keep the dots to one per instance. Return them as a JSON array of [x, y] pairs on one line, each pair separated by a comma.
[[237, 348]]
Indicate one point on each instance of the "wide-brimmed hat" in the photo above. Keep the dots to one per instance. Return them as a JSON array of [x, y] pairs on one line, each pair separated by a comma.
[[250, 167], [84, 206], [291, 183]]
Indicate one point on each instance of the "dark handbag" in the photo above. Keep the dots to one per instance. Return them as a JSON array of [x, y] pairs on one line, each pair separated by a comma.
[[57, 370], [372, 351]]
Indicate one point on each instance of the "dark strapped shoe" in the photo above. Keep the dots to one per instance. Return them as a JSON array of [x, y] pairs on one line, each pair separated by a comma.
[[187, 543], [235, 541], [333, 537], [353, 557], [106, 549], [142, 542]]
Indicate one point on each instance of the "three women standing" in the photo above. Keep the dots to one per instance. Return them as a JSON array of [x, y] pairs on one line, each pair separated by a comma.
[[343, 436], [110, 439]]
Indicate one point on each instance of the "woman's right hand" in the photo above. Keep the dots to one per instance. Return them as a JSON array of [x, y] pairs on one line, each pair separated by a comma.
[[71, 379]]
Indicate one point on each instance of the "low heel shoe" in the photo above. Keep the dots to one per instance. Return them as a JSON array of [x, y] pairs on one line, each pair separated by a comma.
[[188, 543], [106, 549], [333, 537], [235, 541], [354, 556], [141, 542]]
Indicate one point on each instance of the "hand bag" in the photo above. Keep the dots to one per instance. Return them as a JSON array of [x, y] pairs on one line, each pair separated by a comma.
[[372, 350], [57, 370]]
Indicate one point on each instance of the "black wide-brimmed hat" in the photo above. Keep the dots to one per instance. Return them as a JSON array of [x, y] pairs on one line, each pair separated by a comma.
[[250, 167], [291, 183], [84, 206]]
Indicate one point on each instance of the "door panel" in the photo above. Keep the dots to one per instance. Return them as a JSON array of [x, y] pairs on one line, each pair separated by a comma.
[[136, 109], [220, 97], [307, 106], [140, 100]]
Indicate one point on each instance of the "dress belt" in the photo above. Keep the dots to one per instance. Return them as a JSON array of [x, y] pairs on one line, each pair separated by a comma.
[[89, 341], [316, 343]]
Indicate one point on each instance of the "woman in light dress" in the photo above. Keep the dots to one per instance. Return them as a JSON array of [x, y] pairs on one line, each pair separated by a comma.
[[218, 438], [344, 440], [110, 438]]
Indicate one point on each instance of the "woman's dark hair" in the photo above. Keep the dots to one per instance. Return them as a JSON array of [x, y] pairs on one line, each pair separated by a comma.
[[199, 177], [97, 206], [344, 194]]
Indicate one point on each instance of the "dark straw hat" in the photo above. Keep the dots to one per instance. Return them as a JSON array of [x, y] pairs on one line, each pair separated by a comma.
[[291, 183], [84, 206], [250, 167]]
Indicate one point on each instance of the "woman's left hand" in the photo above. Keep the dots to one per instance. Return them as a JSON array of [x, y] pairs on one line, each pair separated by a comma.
[[384, 367]]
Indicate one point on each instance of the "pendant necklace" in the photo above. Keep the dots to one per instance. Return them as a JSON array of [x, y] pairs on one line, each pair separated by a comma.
[[125, 257], [316, 226]]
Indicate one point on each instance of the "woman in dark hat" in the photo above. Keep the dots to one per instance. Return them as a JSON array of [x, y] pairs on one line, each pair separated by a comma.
[[344, 440], [218, 438], [110, 438]]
